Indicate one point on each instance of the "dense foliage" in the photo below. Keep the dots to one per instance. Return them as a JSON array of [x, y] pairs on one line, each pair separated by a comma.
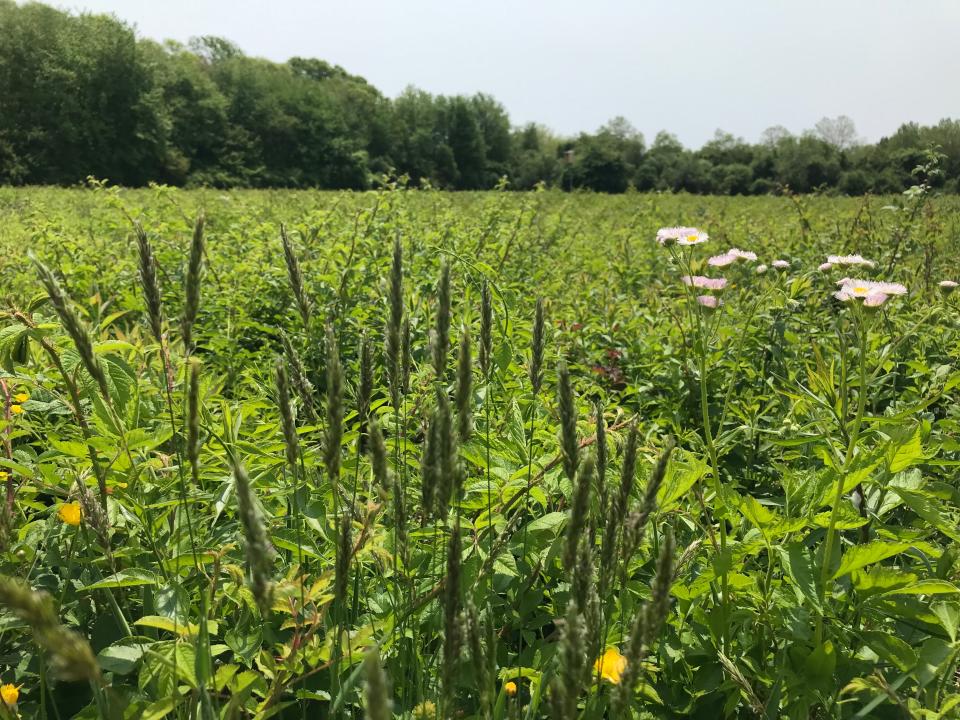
[[82, 95], [300, 454]]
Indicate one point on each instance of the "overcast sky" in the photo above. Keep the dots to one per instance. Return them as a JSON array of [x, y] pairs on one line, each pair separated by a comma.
[[688, 66]]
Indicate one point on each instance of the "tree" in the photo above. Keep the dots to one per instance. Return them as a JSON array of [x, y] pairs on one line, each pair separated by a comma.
[[839, 132]]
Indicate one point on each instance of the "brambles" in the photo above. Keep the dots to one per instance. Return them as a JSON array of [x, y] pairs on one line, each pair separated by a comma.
[[757, 515]]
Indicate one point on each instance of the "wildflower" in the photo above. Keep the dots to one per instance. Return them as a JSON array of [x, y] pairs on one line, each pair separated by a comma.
[[705, 283], [70, 513], [721, 260], [731, 256], [866, 286], [426, 710], [761, 269], [510, 688], [681, 236], [781, 264], [947, 286], [10, 693], [849, 260], [742, 254], [21, 398], [708, 301], [611, 665], [16, 409], [4, 475], [825, 266], [873, 294]]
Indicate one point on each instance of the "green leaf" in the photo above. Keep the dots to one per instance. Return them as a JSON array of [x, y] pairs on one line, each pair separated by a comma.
[[863, 555], [170, 625], [120, 659], [948, 613], [891, 649], [929, 508], [906, 453], [798, 562], [926, 587], [124, 578], [550, 522]]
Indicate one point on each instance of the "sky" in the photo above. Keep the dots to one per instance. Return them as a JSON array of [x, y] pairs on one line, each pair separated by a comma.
[[686, 66]]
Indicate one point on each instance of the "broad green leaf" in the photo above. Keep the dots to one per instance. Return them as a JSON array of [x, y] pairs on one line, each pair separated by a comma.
[[862, 555], [550, 522], [124, 578], [948, 613], [801, 568], [926, 587], [121, 659], [891, 649], [905, 453]]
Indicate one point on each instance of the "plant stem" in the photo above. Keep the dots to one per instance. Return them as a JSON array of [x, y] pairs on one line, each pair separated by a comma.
[[848, 459]]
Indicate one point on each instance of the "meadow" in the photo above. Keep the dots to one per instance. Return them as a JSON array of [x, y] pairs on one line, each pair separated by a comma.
[[416, 454]]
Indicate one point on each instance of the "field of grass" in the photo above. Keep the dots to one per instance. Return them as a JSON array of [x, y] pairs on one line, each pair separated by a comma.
[[427, 455]]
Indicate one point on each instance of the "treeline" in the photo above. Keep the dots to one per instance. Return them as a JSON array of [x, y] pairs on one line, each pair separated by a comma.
[[81, 95]]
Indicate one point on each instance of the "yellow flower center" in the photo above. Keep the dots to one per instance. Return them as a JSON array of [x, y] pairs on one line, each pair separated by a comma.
[[70, 513], [860, 290], [10, 694], [691, 238], [611, 665]]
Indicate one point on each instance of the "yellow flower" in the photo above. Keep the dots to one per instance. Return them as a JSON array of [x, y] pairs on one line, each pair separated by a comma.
[[510, 688], [425, 711], [16, 409], [70, 513], [10, 693], [21, 397], [611, 665], [4, 475]]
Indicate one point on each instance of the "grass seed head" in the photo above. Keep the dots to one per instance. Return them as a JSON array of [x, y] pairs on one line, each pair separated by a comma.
[[191, 305], [70, 656], [259, 552], [149, 283], [287, 421], [295, 276], [299, 379], [486, 329], [579, 511], [75, 327], [334, 408], [464, 387], [379, 705]]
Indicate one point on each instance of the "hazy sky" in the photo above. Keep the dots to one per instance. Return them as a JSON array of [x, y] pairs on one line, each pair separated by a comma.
[[688, 66]]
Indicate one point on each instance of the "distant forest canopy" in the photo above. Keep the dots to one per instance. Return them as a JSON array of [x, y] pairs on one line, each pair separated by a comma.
[[81, 95]]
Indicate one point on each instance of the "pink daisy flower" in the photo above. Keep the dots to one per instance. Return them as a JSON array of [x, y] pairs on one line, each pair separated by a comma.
[[850, 260], [825, 266], [873, 294], [681, 236], [704, 283], [709, 301], [761, 269], [781, 264], [742, 254], [722, 260]]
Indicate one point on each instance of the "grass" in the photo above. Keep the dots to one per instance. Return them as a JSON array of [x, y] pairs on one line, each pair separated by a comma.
[[423, 455]]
